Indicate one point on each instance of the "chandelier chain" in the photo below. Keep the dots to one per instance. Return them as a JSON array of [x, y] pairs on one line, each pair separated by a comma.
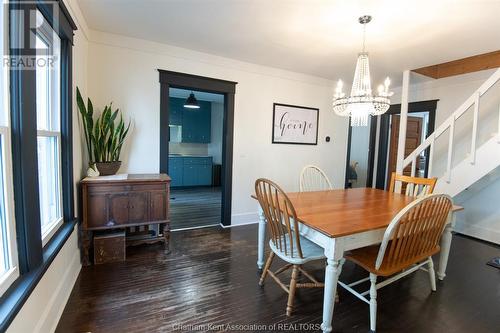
[[364, 36]]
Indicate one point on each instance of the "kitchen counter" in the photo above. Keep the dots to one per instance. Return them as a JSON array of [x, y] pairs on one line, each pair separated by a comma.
[[188, 155]]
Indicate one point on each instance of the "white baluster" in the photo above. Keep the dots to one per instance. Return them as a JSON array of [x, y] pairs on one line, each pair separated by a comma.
[[414, 165], [474, 129], [431, 157], [450, 151], [498, 134]]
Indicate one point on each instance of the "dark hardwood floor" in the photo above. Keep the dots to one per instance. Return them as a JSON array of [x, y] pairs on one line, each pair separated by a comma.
[[195, 207], [211, 278]]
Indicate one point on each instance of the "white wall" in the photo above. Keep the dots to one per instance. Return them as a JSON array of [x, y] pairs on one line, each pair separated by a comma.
[[481, 216], [42, 310], [124, 70], [215, 145]]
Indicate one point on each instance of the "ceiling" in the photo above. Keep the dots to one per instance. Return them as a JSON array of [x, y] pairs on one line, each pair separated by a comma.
[[315, 37], [200, 95]]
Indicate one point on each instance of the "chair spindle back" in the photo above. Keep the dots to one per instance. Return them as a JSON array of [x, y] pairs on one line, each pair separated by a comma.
[[413, 186], [415, 231], [280, 216], [312, 178]]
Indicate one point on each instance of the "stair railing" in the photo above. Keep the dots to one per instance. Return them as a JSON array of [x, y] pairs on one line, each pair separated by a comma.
[[430, 141]]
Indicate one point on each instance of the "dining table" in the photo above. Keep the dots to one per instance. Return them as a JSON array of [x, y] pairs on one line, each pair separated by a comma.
[[346, 219]]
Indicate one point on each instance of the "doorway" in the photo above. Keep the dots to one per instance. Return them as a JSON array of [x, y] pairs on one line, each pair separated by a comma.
[[195, 158], [372, 149], [414, 134], [420, 124], [196, 147]]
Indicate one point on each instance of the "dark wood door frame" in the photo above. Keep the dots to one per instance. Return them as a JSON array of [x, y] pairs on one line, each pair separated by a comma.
[[169, 79], [413, 107]]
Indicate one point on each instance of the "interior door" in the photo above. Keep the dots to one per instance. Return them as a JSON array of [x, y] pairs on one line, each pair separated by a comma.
[[413, 140]]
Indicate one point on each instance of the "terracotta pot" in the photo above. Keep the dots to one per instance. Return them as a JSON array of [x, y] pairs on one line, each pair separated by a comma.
[[108, 168]]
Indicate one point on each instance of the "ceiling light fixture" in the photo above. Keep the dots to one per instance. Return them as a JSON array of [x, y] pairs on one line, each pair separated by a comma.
[[361, 103], [191, 102]]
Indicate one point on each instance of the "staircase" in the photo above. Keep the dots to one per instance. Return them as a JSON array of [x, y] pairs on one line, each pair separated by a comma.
[[480, 161]]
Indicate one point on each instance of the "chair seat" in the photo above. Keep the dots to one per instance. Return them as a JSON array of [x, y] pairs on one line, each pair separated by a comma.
[[367, 256], [310, 251]]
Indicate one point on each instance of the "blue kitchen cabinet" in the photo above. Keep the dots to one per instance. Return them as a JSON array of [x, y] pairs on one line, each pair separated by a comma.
[[176, 107], [175, 170], [196, 124], [190, 171], [205, 175], [190, 175]]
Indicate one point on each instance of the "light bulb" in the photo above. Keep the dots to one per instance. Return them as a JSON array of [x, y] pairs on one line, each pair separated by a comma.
[[387, 82]]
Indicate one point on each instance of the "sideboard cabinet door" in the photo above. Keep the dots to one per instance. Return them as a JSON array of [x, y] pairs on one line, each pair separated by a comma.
[[138, 207], [158, 210], [97, 211], [118, 206]]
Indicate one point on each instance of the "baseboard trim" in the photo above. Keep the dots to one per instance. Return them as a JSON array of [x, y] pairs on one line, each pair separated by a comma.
[[193, 228], [237, 225], [244, 218], [486, 234]]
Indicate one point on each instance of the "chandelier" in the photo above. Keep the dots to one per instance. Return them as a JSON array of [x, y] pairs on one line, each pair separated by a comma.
[[361, 103]]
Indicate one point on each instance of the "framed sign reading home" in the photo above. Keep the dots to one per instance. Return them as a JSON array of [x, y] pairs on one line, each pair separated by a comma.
[[295, 124]]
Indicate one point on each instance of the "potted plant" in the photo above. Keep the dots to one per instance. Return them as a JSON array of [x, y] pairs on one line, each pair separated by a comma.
[[104, 136]]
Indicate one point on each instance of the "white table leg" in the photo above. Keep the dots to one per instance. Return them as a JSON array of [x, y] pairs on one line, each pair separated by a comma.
[[261, 239], [445, 248], [335, 260]]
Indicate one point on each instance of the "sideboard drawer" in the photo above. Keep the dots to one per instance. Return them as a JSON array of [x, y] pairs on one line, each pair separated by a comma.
[[126, 188]]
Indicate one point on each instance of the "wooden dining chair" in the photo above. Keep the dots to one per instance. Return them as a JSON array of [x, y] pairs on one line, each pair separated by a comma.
[[312, 178], [413, 186], [285, 240], [409, 242]]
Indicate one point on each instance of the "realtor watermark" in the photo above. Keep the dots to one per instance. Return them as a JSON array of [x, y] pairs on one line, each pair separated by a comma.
[[277, 327], [33, 41]]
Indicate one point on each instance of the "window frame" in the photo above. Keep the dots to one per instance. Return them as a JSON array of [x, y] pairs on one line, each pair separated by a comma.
[[12, 273], [44, 32], [8, 277], [34, 257]]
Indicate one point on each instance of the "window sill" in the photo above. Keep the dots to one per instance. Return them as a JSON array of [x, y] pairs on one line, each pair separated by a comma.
[[47, 234], [16, 295], [7, 279]]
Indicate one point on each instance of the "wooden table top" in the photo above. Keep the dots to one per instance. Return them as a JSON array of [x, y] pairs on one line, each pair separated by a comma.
[[128, 177], [339, 213]]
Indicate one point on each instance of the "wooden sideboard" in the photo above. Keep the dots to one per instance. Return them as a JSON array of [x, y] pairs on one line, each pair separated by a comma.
[[121, 201]]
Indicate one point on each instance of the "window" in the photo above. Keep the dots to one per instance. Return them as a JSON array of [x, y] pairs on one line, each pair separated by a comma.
[[8, 254], [48, 87]]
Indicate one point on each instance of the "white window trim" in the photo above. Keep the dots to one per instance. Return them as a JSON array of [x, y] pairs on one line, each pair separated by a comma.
[[8, 278], [53, 226], [11, 275], [45, 31]]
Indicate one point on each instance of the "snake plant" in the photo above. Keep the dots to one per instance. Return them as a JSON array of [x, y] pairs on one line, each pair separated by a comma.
[[105, 135]]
